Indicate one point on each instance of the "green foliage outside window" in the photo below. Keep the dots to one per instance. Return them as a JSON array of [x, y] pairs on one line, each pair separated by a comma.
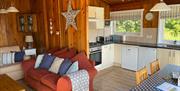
[[172, 29], [131, 26]]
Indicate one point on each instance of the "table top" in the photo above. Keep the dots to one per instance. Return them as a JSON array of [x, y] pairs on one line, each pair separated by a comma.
[[157, 79], [8, 84]]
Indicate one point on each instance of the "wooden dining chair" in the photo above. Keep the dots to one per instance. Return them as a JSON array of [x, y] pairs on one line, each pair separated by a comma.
[[141, 75], [155, 66]]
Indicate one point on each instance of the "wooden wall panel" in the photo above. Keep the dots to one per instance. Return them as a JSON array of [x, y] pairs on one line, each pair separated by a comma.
[[8, 27]]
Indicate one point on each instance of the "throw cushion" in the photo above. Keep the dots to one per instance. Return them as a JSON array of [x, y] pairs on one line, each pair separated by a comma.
[[38, 60], [64, 67], [47, 61], [19, 56], [7, 58], [82, 60], [73, 68], [56, 64]]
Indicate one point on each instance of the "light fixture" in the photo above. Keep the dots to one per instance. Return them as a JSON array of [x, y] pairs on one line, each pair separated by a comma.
[[4, 5], [161, 6], [12, 9], [3, 11], [29, 41]]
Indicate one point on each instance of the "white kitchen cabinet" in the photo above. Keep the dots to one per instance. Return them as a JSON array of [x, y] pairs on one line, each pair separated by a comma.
[[130, 57], [117, 54], [168, 56], [96, 15], [145, 57], [107, 56]]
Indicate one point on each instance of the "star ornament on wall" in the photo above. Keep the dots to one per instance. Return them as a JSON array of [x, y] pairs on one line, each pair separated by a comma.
[[70, 16]]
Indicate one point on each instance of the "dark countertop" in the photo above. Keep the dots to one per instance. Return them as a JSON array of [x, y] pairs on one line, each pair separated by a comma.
[[164, 46]]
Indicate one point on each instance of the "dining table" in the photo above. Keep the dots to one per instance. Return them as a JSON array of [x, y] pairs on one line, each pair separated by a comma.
[[160, 77]]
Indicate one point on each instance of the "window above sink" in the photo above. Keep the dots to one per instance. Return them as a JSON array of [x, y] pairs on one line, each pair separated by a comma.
[[169, 26]]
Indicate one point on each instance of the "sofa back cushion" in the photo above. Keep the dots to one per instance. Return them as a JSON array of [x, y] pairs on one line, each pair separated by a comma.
[[59, 52], [64, 67], [53, 50], [47, 61], [82, 60], [68, 54]]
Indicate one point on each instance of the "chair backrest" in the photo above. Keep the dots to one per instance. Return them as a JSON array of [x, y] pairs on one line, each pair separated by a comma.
[[141, 75], [155, 66]]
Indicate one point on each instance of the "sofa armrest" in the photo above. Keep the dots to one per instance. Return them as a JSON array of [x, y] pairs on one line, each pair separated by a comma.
[[64, 83], [28, 64], [92, 62]]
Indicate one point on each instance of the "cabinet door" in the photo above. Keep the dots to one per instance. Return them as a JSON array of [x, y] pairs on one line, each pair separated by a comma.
[[176, 55], [99, 13], [117, 54], [164, 57], [92, 12], [107, 56]]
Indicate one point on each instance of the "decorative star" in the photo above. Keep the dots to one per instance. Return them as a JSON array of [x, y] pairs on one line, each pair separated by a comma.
[[70, 16]]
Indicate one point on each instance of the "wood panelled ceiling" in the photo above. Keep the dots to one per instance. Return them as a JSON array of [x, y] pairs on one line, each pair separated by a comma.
[[115, 2]]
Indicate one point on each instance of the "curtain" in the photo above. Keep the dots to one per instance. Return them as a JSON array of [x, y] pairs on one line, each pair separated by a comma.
[[173, 13], [127, 15]]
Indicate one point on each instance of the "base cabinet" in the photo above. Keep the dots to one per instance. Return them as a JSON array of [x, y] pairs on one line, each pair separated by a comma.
[[107, 56], [168, 56]]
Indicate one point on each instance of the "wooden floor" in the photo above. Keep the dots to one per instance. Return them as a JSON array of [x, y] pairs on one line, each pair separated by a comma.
[[110, 79], [114, 79]]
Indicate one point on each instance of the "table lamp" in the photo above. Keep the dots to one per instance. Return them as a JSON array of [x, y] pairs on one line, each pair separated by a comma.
[[29, 41]]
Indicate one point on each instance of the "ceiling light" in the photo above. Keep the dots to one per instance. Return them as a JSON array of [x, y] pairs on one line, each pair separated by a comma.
[[12, 9], [3, 11], [161, 7]]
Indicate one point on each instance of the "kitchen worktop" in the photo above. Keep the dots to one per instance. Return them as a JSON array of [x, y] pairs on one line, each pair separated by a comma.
[[165, 46]]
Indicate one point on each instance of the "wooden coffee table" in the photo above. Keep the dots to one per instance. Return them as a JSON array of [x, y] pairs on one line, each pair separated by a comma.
[[8, 84]]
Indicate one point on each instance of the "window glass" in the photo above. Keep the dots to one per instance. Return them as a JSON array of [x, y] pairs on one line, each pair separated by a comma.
[[172, 29]]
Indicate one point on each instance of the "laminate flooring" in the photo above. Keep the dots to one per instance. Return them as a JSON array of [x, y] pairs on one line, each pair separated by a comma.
[[110, 79], [114, 79]]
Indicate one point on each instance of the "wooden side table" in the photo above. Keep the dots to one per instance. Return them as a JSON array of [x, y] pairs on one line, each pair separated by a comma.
[[8, 84]]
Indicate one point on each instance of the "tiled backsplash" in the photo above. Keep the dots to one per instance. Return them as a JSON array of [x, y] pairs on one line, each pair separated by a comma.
[[149, 36]]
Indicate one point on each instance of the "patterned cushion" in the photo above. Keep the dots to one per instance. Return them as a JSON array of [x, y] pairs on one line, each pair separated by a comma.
[[38, 60], [7, 58], [64, 67], [19, 56], [56, 64], [73, 68], [47, 61]]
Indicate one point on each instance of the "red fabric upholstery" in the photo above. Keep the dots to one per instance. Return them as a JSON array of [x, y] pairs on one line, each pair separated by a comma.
[[82, 60], [60, 52], [42, 80], [50, 80], [69, 54], [37, 74], [53, 50]]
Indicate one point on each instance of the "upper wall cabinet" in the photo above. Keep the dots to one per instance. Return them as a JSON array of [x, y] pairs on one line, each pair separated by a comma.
[[27, 22], [96, 15]]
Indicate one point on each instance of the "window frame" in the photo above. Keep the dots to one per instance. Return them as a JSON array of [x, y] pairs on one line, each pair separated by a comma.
[[139, 34], [161, 39]]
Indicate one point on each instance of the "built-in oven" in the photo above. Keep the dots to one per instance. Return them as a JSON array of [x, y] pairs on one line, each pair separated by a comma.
[[95, 55]]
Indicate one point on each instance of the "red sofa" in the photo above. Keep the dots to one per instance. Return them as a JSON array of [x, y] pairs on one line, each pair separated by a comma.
[[43, 80]]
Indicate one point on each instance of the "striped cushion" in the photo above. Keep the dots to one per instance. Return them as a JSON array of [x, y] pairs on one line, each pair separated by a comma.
[[7, 58]]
